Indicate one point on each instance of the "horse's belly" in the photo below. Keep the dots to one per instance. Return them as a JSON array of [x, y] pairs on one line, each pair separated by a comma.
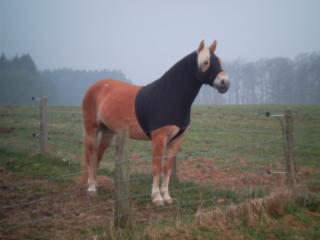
[[117, 110]]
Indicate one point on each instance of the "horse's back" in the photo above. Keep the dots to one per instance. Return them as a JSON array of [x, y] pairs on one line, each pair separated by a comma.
[[102, 89], [112, 103]]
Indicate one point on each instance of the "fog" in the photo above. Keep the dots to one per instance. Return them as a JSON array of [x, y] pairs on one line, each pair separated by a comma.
[[142, 39]]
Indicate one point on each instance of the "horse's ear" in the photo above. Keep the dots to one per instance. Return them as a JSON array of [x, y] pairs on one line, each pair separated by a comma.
[[201, 46], [213, 46]]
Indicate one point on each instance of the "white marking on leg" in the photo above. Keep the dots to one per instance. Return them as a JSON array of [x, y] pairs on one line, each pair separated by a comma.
[[92, 185], [155, 192], [92, 174], [165, 188], [92, 188]]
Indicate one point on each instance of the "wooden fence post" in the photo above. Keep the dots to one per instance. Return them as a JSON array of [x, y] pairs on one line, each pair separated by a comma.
[[121, 179], [289, 149], [43, 126]]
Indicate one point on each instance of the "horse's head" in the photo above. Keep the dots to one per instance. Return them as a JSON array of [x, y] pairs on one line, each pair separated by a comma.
[[209, 68]]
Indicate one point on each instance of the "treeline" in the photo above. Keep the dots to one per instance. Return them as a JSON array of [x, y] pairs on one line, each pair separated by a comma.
[[20, 81], [267, 81], [270, 81]]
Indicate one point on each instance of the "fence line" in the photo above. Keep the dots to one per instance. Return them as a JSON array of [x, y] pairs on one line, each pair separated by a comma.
[[78, 140], [37, 222], [132, 179], [122, 197], [132, 161], [287, 129]]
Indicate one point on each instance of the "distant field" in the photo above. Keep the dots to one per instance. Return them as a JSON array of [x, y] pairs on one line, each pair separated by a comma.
[[228, 155]]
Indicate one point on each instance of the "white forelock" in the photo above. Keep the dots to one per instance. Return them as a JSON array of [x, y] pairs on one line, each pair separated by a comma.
[[203, 55]]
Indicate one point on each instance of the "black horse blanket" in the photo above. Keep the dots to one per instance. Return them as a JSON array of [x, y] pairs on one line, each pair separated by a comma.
[[168, 100]]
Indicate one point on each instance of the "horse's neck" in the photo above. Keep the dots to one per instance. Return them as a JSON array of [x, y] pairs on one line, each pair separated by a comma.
[[180, 82], [184, 70]]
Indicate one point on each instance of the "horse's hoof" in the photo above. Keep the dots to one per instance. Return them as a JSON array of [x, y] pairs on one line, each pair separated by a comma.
[[92, 193], [158, 202], [168, 201]]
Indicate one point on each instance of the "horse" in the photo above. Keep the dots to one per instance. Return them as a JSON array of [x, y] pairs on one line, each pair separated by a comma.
[[159, 111]]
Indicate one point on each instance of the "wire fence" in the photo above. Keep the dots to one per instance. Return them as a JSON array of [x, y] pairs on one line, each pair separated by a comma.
[[122, 183], [219, 165]]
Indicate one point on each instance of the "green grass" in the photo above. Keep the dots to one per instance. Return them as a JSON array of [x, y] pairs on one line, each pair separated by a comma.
[[224, 132], [232, 137], [190, 196], [36, 165]]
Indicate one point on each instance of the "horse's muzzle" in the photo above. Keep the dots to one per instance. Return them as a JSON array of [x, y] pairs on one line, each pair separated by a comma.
[[221, 83], [222, 89]]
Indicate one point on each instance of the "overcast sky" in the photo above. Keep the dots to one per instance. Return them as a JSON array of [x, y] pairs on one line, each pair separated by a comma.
[[144, 38]]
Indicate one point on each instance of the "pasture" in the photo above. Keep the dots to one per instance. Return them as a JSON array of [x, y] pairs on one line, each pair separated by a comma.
[[232, 155]]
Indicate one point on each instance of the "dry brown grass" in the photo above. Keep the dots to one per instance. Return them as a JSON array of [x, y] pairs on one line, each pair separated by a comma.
[[252, 212], [223, 221]]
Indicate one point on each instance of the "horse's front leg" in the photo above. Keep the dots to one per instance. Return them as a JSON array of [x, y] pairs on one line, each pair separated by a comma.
[[158, 150], [173, 148]]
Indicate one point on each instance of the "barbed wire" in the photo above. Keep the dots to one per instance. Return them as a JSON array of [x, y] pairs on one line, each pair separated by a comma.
[[135, 161], [43, 178], [132, 179], [203, 170], [65, 214]]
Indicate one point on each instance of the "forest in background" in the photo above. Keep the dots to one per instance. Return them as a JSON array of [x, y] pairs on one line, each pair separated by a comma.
[[20, 80], [270, 81], [266, 81]]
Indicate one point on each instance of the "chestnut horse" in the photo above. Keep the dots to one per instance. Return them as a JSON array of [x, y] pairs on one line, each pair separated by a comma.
[[159, 112]]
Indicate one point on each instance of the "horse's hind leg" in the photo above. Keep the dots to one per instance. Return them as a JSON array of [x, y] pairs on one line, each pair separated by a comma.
[[85, 166], [104, 139], [89, 168], [172, 150], [96, 142]]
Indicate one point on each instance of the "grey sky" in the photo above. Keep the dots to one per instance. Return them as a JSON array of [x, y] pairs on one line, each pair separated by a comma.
[[144, 38]]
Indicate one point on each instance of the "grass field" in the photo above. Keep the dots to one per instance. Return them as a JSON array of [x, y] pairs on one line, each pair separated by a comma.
[[224, 166]]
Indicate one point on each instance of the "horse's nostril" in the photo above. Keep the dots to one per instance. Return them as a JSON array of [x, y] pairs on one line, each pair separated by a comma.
[[222, 82]]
